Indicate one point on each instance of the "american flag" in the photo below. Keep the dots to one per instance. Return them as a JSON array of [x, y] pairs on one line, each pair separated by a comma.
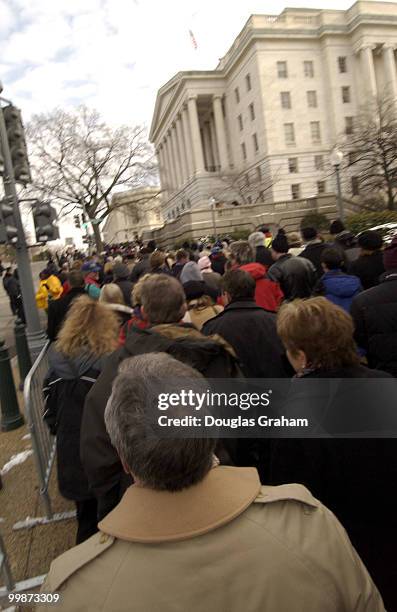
[[194, 41]]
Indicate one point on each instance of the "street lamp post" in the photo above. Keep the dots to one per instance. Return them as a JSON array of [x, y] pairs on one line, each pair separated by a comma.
[[336, 160], [212, 202]]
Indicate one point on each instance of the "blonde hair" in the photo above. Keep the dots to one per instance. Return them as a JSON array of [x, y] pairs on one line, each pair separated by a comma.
[[90, 327], [108, 267], [112, 294], [319, 328], [137, 290]]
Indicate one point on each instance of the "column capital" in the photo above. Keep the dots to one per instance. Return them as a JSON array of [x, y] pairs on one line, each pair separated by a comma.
[[387, 46], [192, 97], [364, 47], [217, 96]]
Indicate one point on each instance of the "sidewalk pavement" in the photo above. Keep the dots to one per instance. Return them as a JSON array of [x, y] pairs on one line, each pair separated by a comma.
[[30, 551]]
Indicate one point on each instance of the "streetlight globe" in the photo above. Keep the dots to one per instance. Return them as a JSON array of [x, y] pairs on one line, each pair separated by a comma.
[[336, 156]]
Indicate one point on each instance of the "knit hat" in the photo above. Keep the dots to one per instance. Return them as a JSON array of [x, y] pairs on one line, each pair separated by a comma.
[[120, 270], [280, 242], [370, 240], [390, 255], [204, 263], [194, 289], [190, 272]]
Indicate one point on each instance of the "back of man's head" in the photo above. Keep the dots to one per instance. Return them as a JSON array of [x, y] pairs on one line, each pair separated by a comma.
[[181, 255], [163, 299], [239, 285], [309, 233], [332, 258], [76, 279], [169, 463], [242, 252]]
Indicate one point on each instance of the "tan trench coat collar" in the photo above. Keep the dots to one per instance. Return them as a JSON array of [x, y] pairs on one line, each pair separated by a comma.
[[145, 515]]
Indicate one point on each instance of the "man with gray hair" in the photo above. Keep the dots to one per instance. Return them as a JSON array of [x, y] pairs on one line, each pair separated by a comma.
[[193, 535], [262, 253], [163, 305]]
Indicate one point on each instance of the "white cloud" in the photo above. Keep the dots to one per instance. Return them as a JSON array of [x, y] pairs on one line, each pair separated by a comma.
[[115, 54]]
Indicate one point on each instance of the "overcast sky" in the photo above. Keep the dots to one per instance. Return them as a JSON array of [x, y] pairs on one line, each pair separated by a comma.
[[115, 54]]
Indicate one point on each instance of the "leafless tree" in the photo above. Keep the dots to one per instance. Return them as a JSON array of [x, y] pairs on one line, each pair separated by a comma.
[[371, 150], [247, 187], [79, 162]]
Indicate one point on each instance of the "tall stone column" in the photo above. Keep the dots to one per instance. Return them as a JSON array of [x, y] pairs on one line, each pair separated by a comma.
[[220, 130], [188, 142], [196, 136], [181, 148], [170, 164], [209, 158], [367, 62], [390, 70], [163, 171], [214, 144], [178, 173]]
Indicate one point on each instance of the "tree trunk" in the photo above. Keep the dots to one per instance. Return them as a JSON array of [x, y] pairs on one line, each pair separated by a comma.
[[98, 238]]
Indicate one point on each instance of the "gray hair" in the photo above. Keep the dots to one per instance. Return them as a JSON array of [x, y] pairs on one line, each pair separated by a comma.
[[256, 239], [242, 252], [170, 464]]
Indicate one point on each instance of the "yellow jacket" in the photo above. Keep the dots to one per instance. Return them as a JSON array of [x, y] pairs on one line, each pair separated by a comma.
[[49, 288]]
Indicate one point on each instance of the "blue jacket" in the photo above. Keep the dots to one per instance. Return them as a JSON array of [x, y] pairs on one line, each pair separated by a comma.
[[339, 288]]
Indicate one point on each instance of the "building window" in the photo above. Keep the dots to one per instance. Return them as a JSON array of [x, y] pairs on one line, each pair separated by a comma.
[[243, 151], [311, 99], [355, 187], [255, 141], [237, 95], [261, 196], [252, 111], [308, 69], [240, 122], [188, 205], [319, 162], [258, 173], [349, 127], [321, 185], [282, 70], [342, 65], [315, 131], [249, 200], [248, 82], [285, 99], [293, 164], [295, 192], [289, 133], [345, 95]]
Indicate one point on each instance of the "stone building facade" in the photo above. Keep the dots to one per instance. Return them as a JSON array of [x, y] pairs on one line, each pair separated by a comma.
[[261, 126], [135, 212]]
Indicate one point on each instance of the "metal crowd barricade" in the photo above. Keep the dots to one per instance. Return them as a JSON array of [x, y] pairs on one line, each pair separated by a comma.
[[43, 443], [10, 586]]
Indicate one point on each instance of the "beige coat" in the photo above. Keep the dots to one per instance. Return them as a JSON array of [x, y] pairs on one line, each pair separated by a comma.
[[224, 545]]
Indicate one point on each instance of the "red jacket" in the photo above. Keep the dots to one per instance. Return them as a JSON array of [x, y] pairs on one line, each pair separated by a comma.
[[268, 294]]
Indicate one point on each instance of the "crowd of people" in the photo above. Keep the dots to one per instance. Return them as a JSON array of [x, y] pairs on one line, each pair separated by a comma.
[[218, 525]]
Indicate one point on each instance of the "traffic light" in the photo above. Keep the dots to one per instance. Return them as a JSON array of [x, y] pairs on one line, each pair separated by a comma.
[[45, 216], [17, 144], [77, 221], [8, 229]]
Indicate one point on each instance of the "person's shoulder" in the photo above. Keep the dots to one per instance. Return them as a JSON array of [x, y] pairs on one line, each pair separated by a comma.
[[70, 562]]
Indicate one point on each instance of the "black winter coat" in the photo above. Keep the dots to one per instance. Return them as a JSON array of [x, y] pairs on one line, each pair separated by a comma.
[[65, 388], [313, 252], [126, 289], [251, 331], [296, 276], [140, 268], [101, 463], [352, 477], [58, 309], [368, 268], [374, 312]]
